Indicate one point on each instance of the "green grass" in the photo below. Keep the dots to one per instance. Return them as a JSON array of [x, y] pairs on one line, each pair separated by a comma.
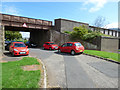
[[14, 77], [119, 50], [108, 55]]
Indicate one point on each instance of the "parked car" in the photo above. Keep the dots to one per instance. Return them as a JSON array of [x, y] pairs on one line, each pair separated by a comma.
[[71, 47], [7, 44], [18, 48], [50, 45], [31, 44]]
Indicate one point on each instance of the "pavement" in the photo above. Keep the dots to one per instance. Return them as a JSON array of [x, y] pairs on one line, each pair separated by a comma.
[[78, 71], [8, 57]]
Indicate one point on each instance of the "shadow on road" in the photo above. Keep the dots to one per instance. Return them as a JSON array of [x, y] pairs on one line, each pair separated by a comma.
[[66, 54], [8, 54]]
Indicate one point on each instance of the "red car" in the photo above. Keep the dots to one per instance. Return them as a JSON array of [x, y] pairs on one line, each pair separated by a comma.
[[18, 48], [50, 45], [71, 47]]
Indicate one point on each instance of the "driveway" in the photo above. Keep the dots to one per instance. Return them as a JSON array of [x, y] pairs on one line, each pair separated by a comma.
[[79, 71]]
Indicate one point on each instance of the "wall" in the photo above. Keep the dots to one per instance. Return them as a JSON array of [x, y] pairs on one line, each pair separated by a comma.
[[109, 44], [62, 25], [60, 38], [39, 37], [1, 40]]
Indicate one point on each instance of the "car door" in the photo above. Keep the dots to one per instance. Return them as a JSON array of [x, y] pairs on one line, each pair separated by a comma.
[[46, 45], [63, 47], [69, 47]]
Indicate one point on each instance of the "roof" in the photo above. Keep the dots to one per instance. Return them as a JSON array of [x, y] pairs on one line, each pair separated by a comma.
[[49, 42], [72, 42], [17, 42]]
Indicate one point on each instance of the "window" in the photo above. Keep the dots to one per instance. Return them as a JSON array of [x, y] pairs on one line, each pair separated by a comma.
[[77, 44], [19, 45], [69, 44], [47, 43], [52, 43], [64, 45]]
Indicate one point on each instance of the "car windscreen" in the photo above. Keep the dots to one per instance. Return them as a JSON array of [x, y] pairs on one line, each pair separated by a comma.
[[77, 44], [52, 43], [19, 45]]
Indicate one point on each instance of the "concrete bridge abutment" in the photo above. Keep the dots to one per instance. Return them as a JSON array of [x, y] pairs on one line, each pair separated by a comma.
[[39, 37], [2, 29]]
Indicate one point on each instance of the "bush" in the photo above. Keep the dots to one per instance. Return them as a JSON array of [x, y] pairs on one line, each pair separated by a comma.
[[90, 36], [90, 31], [68, 32], [78, 32]]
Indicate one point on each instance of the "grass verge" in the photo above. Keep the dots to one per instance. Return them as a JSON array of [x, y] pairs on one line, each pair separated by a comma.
[[14, 77], [108, 55]]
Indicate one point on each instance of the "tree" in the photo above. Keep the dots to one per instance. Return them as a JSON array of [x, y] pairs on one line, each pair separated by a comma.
[[12, 35], [100, 21]]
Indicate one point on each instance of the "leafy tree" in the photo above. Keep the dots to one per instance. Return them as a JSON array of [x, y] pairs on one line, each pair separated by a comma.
[[78, 32], [13, 35]]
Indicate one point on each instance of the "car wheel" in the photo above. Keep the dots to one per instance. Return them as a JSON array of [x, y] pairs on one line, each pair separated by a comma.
[[50, 48], [43, 48], [81, 52], [13, 54], [72, 52], [59, 51]]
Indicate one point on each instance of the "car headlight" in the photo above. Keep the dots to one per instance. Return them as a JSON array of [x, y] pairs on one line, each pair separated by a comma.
[[27, 49], [15, 50]]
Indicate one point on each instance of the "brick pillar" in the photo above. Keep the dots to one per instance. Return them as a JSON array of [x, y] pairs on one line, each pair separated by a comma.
[[112, 32], [1, 40], [118, 34], [115, 34], [104, 31]]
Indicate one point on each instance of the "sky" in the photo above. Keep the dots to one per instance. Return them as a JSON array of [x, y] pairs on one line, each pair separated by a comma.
[[84, 11]]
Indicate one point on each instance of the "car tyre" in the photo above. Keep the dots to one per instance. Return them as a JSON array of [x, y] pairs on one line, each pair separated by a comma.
[[72, 52], [81, 52], [50, 48], [59, 51], [43, 48], [13, 54]]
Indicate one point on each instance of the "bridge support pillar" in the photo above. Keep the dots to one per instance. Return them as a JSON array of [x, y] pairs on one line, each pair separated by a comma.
[[40, 37], [2, 29]]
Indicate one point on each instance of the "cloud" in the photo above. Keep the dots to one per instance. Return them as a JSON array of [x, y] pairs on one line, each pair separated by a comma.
[[112, 25], [97, 4], [10, 10]]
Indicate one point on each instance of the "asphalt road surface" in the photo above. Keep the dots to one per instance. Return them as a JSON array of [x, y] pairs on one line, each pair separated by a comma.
[[78, 71]]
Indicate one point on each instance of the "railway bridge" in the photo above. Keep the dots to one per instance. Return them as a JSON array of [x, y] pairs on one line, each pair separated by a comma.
[[39, 29]]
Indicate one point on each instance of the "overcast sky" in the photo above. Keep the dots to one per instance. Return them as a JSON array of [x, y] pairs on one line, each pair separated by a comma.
[[84, 11]]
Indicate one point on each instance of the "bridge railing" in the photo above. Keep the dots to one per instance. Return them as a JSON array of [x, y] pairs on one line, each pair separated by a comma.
[[114, 33]]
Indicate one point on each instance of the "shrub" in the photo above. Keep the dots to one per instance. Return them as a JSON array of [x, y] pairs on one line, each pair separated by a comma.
[[78, 32], [68, 32], [90, 36], [90, 31]]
